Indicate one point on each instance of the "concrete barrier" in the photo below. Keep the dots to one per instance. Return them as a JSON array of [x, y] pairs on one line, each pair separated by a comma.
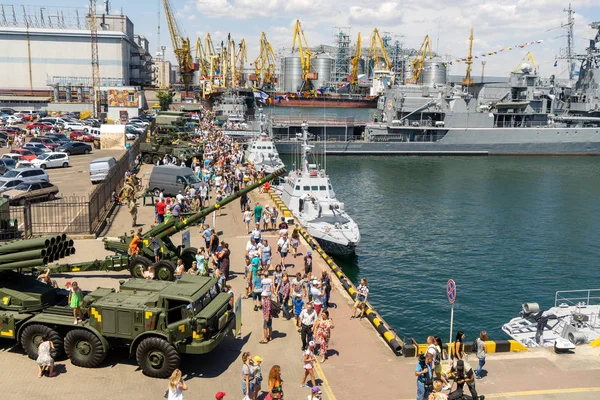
[[376, 320], [493, 346]]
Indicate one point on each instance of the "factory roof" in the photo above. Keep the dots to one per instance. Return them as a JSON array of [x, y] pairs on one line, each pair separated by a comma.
[[28, 99]]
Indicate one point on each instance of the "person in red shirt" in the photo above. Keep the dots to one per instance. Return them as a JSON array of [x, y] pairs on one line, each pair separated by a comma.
[[160, 211]]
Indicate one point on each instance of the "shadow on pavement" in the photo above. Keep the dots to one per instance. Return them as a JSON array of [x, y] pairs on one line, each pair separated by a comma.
[[216, 362]]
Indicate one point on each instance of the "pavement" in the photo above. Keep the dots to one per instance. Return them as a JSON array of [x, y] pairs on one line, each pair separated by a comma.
[[360, 365]]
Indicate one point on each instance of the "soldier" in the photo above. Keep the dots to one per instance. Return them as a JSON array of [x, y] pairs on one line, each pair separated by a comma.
[[133, 211], [127, 192]]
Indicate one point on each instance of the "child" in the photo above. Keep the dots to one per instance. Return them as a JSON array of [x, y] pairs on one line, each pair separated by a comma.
[[156, 248], [298, 304], [75, 300]]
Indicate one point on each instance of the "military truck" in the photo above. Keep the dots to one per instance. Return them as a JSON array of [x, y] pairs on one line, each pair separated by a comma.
[[155, 321], [170, 141]]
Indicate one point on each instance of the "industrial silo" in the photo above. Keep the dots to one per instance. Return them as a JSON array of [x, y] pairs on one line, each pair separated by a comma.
[[292, 72], [322, 65], [434, 72]]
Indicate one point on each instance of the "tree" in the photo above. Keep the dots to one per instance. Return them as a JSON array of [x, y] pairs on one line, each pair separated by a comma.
[[165, 98]]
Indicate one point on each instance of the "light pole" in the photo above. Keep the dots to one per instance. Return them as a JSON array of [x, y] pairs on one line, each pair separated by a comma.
[[482, 70]]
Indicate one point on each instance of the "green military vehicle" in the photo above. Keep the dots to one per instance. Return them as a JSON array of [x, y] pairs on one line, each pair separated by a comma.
[[156, 321]]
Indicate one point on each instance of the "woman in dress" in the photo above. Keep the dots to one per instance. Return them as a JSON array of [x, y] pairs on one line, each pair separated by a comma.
[[275, 383], [75, 300], [45, 360], [458, 353], [265, 255], [176, 386], [295, 241], [361, 298], [277, 277], [247, 218], [322, 333], [224, 257]]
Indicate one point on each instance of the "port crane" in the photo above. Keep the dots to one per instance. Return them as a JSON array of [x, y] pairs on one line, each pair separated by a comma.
[[306, 57], [425, 52], [467, 80], [95, 90], [528, 58], [378, 54], [181, 46], [355, 61], [265, 63], [241, 56], [204, 66]]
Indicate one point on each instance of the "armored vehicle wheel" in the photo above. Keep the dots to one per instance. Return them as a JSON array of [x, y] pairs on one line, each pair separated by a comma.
[[188, 255], [157, 357], [164, 270], [84, 349], [156, 192], [156, 158], [138, 265], [32, 337], [147, 158]]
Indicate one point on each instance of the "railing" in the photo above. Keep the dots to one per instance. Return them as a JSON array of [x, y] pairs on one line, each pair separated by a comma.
[[573, 297], [325, 119]]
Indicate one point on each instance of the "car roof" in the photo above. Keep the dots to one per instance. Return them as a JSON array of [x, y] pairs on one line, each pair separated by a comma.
[[31, 182], [28, 169], [56, 152], [102, 159]]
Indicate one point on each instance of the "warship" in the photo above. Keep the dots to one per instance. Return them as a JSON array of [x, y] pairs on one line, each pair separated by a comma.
[[262, 153], [526, 116]]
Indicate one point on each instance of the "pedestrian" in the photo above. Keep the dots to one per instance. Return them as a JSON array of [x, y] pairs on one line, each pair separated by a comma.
[[132, 205], [298, 304], [275, 384], [149, 274], [307, 317], [256, 374], [257, 288], [266, 218], [155, 248], [176, 386], [309, 360], [308, 261], [283, 247], [283, 292], [362, 293], [214, 241], [326, 285], [481, 347], [322, 333], [283, 227], [265, 255], [247, 385], [463, 373], [179, 270], [256, 233], [317, 294], [458, 352], [437, 391], [206, 236], [45, 360], [267, 291], [244, 202], [424, 374], [75, 301], [315, 393], [194, 270], [295, 241], [436, 353], [202, 260], [224, 257], [160, 210], [274, 214], [257, 212]]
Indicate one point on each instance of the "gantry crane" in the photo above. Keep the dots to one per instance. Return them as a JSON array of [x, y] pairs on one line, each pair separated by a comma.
[[95, 90], [181, 46], [265, 63], [528, 58], [306, 57], [425, 51], [467, 80], [378, 53], [201, 57], [355, 61], [240, 60]]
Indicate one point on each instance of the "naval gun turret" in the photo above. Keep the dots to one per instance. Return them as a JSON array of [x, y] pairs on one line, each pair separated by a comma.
[[165, 268]]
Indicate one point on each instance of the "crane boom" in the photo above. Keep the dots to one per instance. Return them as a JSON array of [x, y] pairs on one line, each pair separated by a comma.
[[95, 92], [265, 63], [181, 46], [377, 51], [467, 80], [526, 58], [305, 56], [240, 59], [417, 64], [355, 61], [201, 57]]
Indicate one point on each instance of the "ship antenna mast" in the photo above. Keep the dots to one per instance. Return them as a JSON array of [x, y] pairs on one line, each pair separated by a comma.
[[569, 26]]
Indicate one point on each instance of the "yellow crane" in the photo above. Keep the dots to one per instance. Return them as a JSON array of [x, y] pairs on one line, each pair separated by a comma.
[[355, 61], [306, 57], [181, 46], [467, 80], [425, 51], [378, 53], [528, 58], [240, 60], [265, 63], [201, 57]]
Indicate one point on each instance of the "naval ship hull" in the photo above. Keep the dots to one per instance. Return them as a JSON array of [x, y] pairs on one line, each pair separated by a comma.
[[472, 141]]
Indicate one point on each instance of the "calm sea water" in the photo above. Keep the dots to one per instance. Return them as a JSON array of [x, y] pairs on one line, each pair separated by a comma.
[[508, 230]]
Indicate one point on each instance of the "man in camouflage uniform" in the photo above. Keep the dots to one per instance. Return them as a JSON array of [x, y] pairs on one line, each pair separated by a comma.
[[133, 211]]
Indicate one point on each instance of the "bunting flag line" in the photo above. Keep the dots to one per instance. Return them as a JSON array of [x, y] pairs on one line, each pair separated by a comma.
[[492, 53]]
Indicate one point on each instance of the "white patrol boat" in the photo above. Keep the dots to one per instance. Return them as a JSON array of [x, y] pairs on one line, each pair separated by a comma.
[[262, 153]]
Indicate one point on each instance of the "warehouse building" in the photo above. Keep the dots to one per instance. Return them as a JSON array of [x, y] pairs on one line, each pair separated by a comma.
[[43, 54]]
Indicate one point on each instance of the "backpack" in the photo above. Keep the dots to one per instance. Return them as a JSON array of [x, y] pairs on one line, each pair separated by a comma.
[[436, 357], [474, 346]]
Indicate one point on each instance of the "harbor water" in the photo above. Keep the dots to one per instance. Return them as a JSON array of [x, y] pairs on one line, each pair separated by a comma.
[[508, 230]]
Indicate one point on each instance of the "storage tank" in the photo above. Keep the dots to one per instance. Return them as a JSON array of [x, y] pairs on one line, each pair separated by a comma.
[[292, 72], [434, 72], [322, 66]]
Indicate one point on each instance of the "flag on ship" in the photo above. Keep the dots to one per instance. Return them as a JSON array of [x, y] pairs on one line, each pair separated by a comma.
[[260, 96]]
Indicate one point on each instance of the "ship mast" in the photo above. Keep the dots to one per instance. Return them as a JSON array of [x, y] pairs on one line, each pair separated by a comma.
[[305, 147], [570, 56]]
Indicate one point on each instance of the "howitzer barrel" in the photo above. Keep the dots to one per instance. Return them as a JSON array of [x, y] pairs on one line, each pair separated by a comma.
[[25, 255], [28, 244], [40, 262], [175, 226]]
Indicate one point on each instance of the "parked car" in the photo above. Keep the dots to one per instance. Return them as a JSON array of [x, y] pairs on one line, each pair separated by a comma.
[[38, 146], [7, 111], [73, 148], [49, 143], [75, 126], [95, 132], [9, 184], [17, 159], [42, 125], [58, 137], [81, 137], [27, 174], [37, 150], [25, 192], [138, 121], [51, 160], [6, 164], [12, 119], [135, 129], [57, 122], [14, 130], [100, 168], [24, 153], [92, 122]]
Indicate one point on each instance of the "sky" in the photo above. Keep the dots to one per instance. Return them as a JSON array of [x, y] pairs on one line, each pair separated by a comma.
[[497, 25]]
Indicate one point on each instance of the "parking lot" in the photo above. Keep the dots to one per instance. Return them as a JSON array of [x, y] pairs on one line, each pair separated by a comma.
[[75, 180]]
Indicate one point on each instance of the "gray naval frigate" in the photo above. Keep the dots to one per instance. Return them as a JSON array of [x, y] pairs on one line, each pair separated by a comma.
[[526, 116]]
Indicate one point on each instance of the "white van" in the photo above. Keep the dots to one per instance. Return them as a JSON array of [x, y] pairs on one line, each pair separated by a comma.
[[100, 168], [170, 179]]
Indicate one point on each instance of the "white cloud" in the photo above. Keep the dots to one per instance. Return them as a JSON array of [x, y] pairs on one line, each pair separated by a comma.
[[386, 12]]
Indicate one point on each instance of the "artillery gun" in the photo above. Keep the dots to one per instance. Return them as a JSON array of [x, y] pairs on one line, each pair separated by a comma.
[[165, 268], [174, 143]]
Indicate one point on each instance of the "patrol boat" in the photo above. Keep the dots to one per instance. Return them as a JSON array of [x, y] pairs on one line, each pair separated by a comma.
[[308, 194], [574, 320], [263, 154]]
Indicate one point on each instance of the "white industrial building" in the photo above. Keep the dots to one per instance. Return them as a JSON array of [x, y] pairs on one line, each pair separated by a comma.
[[41, 58]]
